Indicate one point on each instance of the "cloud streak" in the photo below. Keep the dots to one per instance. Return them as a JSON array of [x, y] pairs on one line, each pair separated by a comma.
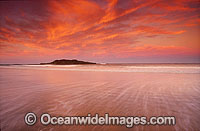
[[96, 30]]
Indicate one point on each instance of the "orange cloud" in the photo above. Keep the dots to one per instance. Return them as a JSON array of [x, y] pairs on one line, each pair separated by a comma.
[[92, 28]]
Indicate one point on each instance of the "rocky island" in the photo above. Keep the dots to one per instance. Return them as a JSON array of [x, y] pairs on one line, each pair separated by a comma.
[[67, 62]]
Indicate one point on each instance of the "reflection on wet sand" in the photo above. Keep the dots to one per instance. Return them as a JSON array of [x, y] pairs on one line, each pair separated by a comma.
[[71, 93]]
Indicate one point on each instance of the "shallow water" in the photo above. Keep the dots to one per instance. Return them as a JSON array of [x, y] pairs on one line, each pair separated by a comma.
[[117, 90]]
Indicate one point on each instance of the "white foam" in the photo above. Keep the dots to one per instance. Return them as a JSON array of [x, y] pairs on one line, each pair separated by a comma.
[[105, 68]]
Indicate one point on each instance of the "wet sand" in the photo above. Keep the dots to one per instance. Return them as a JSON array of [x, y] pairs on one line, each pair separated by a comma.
[[119, 93]]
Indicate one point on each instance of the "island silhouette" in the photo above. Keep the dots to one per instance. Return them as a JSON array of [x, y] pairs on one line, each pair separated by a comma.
[[67, 62]]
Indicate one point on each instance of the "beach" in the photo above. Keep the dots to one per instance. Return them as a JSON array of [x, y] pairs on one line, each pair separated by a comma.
[[120, 90]]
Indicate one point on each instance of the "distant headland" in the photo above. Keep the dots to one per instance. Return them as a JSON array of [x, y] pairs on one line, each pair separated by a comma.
[[67, 62]]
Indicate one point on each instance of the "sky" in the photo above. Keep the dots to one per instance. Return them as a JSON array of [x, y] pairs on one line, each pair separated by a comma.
[[105, 31]]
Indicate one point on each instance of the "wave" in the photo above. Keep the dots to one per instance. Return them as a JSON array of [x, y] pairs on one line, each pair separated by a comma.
[[112, 68]]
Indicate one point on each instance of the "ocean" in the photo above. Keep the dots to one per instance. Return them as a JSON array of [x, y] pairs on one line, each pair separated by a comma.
[[117, 89]]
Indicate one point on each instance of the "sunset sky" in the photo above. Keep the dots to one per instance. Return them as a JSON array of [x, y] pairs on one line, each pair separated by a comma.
[[125, 31]]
